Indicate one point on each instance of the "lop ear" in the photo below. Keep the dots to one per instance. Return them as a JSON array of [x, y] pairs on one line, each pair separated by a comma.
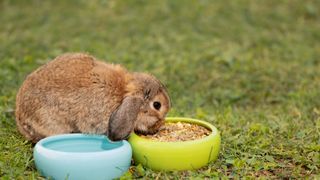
[[121, 122]]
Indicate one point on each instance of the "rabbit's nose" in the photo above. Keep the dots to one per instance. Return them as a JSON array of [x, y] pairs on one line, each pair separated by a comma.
[[159, 124]]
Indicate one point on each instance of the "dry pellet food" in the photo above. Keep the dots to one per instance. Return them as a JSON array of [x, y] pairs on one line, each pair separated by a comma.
[[179, 131]]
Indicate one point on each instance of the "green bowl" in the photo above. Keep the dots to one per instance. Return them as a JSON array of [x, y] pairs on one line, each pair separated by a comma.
[[184, 155]]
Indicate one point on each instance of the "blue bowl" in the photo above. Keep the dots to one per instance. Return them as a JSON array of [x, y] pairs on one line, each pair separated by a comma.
[[80, 156]]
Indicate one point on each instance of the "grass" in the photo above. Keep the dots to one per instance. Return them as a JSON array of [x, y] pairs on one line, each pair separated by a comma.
[[251, 68]]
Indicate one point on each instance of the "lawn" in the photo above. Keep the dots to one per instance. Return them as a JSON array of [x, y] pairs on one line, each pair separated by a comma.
[[251, 68]]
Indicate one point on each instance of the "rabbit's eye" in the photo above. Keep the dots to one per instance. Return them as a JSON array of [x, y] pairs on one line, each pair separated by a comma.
[[157, 105]]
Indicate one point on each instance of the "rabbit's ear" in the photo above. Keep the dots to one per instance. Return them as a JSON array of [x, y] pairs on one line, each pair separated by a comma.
[[122, 120]]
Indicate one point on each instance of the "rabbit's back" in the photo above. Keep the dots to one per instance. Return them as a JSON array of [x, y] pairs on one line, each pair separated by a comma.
[[73, 93]]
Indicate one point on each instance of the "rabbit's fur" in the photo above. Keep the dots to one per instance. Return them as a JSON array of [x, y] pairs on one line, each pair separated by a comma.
[[77, 93]]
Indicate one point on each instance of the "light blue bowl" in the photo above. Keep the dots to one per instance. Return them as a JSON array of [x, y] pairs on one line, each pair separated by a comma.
[[80, 156]]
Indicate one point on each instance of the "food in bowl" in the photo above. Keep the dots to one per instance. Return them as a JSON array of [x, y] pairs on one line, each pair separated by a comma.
[[177, 155], [179, 131]]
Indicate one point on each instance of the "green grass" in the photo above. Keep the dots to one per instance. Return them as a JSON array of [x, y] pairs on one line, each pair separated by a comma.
[[251, 68]]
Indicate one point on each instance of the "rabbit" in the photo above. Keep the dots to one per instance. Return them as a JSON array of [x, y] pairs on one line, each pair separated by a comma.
[[76, 93]]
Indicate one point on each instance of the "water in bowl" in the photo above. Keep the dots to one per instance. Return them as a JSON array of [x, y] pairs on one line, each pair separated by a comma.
[[82, 144]]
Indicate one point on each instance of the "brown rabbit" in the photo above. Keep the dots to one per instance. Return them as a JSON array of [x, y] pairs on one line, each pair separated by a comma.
[[76, 93]]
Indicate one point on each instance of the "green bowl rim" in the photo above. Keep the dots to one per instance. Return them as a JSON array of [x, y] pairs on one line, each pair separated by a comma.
[[213, 134]]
